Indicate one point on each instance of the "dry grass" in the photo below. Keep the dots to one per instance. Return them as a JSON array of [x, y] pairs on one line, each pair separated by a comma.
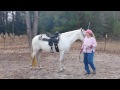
[[11, 40], [111, 47]]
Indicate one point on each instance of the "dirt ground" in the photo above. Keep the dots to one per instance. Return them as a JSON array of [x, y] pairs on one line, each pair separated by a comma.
[[14, 64]]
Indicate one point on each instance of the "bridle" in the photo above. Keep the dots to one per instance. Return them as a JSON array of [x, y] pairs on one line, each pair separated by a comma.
[[82, 33]]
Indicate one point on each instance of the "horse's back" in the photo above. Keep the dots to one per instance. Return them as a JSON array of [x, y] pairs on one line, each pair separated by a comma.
[[38, 43], [35, 39], [39, 37]]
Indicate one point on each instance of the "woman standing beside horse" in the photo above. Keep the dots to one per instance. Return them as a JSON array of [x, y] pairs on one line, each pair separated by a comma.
[[88, 48]]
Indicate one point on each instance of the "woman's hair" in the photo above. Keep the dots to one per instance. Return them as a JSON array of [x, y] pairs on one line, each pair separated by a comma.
[[92, 35]]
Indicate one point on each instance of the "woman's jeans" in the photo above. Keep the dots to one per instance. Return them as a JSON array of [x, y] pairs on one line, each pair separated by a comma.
[[88, 60]]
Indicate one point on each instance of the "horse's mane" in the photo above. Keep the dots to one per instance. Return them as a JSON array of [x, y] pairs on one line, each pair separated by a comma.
[[66, 34], [69, 33]]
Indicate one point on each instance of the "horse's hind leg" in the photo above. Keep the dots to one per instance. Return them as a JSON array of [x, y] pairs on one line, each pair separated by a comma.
[[39, 58], [34, 60]]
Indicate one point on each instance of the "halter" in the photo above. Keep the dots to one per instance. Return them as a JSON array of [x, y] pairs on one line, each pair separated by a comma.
[[82, 33]]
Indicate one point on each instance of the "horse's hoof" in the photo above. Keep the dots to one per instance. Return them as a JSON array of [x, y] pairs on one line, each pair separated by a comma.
[[63, 68], [61, 71], [30, 65], [40, 68], [36, 68]]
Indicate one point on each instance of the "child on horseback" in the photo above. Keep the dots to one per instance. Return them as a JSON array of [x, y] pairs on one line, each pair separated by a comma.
[[88, 49]]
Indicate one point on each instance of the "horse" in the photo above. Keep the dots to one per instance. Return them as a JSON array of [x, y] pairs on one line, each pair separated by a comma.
[[65, 41]]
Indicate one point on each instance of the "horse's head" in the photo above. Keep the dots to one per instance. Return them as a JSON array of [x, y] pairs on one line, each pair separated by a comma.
[[81, 34]]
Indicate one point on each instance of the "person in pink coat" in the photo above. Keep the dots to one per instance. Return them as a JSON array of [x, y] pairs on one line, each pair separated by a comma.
[[88, 49]]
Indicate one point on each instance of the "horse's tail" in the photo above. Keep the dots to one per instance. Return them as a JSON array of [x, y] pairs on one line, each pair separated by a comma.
[[34, 60], [31, 49]]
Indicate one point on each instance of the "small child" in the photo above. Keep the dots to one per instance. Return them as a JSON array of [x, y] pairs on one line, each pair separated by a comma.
[[88, 48]]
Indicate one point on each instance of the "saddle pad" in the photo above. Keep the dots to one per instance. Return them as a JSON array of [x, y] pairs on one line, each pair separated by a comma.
[[45, 39]]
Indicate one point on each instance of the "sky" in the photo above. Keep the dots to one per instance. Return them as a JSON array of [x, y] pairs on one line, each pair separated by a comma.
[[10, 16]]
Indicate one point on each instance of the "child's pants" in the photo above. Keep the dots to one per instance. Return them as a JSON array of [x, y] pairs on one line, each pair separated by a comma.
[[88, 60]]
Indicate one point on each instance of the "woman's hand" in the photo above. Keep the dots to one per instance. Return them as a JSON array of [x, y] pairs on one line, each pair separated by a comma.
[[81, 50], [91, 46]]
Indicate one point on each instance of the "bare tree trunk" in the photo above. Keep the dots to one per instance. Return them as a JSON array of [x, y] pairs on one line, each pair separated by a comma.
[[6, 17], [12, 22], [3, 36], [13, 18], [32, 32], [29, 34], [4, 29], [35, 24]]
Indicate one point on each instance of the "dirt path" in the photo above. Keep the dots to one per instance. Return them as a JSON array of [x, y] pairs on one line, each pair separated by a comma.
[[14, 64]]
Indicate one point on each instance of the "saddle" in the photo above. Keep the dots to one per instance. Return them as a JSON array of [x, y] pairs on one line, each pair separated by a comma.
[[53, 39]]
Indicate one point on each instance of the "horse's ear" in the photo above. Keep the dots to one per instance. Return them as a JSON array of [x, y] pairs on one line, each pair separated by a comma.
[[80, 29]]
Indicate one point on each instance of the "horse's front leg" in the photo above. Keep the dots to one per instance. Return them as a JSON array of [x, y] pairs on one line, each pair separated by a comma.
[[62, 68]]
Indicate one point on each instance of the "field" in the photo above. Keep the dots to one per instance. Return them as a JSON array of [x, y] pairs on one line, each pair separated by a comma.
[[15, 60]]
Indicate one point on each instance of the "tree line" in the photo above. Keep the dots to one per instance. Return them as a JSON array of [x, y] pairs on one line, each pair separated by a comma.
[[101, 22]]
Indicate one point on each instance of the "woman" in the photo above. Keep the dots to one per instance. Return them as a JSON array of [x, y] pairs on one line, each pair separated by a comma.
[[88, 48]]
